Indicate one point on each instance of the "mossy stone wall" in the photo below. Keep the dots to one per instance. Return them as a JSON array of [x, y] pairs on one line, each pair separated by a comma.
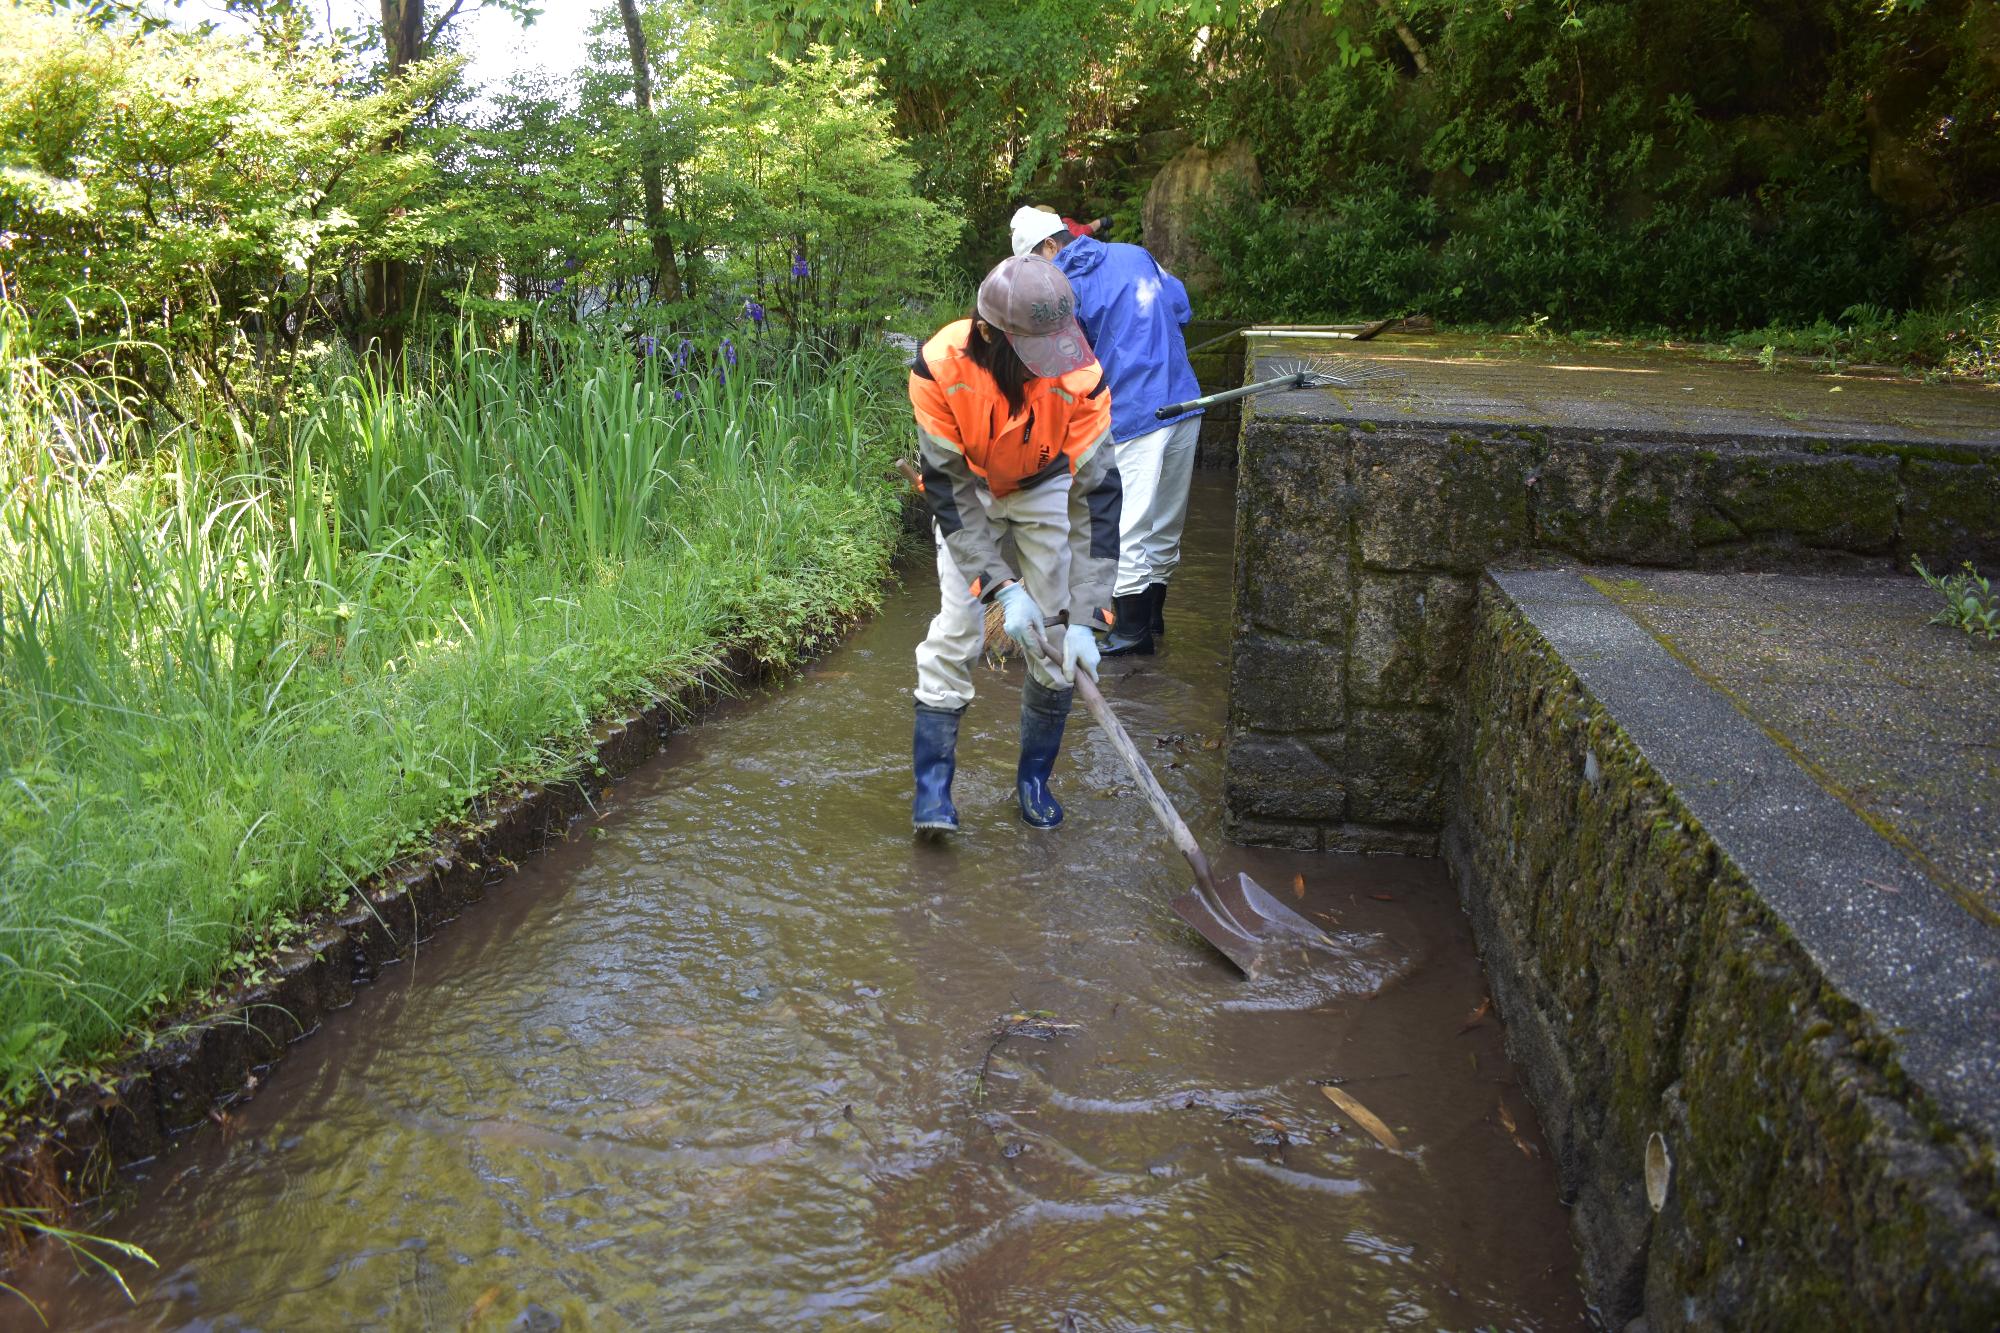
[[1648, 989], [1359, 547]]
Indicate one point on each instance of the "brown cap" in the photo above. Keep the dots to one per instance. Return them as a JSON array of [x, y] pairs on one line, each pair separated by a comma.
[[1028, 299]]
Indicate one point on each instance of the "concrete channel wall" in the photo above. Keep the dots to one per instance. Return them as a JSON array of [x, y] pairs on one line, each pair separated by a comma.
[[1699, 951], [1362, 529], [1759, 1037]]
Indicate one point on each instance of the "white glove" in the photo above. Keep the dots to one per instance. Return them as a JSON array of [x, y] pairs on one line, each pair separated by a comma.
[[1079, 651], [1019, 613]]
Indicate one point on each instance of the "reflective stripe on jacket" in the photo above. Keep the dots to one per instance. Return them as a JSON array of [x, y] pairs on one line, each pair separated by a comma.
[[969, 440]]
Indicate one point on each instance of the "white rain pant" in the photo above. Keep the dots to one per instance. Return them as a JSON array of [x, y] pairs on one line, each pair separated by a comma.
[[1155, 468], [1038, 520]]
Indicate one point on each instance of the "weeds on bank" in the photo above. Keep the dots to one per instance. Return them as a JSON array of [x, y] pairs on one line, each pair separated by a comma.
[[237, 675], [83, 1248], [1970, 603], [1960, 343]]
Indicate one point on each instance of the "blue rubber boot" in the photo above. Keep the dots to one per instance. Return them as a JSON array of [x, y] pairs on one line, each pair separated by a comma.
[[1043, 713], [935, 752]]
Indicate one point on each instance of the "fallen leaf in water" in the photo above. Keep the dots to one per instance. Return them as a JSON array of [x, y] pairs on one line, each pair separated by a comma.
[[1507, 1118], [478, 1309], [1212, 743], [1383, 897], [1472, 1020], [1298, 886], [1365, 1118]]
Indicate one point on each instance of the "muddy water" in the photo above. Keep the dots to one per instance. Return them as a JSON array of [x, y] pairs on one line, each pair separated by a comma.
[[740, 1055]]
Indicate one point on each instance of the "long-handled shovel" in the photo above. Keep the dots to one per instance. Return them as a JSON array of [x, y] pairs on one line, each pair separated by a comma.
[[1245, 923]]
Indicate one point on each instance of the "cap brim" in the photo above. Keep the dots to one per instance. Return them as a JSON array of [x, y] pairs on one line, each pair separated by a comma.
[[1051, 354]]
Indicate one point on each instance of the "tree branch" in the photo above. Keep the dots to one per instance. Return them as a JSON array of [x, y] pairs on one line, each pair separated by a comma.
[[430, 38]]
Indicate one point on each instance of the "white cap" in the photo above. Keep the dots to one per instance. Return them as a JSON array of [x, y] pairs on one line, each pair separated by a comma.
[[1032, 226]]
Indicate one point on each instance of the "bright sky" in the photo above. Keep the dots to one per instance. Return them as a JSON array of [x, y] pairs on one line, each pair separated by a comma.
[[496, 46]]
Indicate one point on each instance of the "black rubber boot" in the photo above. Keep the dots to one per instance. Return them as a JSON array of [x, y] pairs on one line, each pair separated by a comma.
[[1156, 604], [1132, 635], [1043, 713], [935, 751]]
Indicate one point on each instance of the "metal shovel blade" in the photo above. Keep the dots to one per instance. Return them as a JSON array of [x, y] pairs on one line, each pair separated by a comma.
[[1247, 925]]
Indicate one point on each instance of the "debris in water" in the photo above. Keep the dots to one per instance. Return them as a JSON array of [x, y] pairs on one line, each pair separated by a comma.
[[1477, 1016], [1383, 897], [477, 1310], [1298, 886], [1277, 1139], [1036, 1025], [1514, 1130], [1365, 1118], [1212, 743], [847, 1114]]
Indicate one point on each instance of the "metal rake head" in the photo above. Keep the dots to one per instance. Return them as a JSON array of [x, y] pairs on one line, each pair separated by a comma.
[[1333, 372]]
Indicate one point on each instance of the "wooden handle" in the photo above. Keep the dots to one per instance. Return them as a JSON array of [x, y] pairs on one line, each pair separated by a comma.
[[1156, 797]]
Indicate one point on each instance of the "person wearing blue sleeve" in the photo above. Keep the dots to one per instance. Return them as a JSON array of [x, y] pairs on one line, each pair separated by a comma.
[[1132, 311]]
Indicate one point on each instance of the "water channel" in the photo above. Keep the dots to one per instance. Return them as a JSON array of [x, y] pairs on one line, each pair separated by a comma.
[[740, 1054]]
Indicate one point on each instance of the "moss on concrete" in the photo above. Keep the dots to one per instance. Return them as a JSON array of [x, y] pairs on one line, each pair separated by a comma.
[[1647, 988]]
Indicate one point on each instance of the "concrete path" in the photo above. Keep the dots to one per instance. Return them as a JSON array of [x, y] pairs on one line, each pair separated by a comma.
[[1446, 379]]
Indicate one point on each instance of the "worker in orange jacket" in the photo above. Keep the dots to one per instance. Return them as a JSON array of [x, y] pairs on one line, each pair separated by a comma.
[[1014, 429]]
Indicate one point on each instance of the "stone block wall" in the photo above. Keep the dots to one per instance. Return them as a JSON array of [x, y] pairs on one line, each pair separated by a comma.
[[1650, 988], [1359, 545]]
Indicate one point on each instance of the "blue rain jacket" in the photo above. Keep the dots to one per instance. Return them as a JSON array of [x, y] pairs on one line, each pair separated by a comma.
[[1132, 311]]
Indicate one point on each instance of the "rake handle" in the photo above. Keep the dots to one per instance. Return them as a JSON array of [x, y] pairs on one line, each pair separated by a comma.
[[1156, 797], [1292, 381]]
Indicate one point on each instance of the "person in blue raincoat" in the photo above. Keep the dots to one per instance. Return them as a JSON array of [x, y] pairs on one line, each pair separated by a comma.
[[1133, 311]]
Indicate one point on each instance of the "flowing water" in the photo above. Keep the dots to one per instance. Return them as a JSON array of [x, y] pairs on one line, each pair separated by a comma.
[[741, 1054]]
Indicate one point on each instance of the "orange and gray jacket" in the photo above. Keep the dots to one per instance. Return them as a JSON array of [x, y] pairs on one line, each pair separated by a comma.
[[969, 441]]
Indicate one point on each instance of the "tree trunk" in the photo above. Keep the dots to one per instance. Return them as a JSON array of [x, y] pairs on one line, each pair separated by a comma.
[[666, 273], [387, 281], [1410, 42]]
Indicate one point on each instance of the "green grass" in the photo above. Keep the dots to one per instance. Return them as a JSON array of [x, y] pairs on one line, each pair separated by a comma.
[[238, 676]]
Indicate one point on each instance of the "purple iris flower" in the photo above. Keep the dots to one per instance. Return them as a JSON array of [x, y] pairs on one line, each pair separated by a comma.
[[570, 265], [678, 395], [647, 344], [754, 311], [556, 290], [800, 269], [683, 352], [729, 351]]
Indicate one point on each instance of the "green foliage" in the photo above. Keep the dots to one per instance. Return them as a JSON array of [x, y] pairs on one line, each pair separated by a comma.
[[827, 182], [237, 676], [83, 1247], [1970, 604], [1612, 163], [1963, 343], [178, 190]]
